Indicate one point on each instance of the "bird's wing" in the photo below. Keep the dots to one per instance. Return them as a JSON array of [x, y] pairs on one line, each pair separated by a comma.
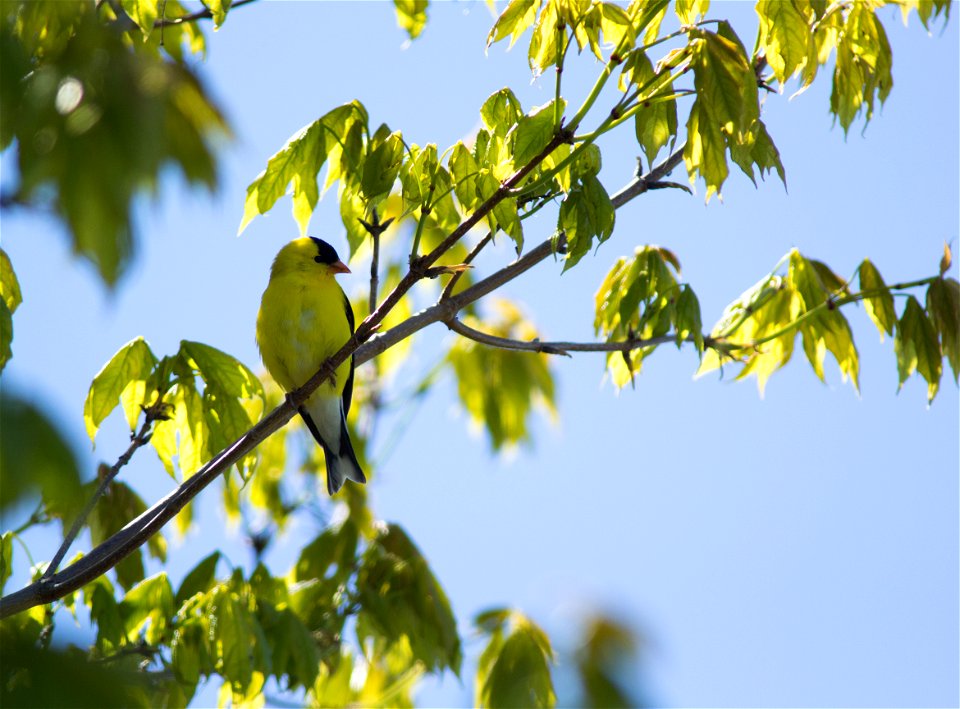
[[348, 387]]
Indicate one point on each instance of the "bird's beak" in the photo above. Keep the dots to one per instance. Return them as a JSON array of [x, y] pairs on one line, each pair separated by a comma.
[[339, 267]]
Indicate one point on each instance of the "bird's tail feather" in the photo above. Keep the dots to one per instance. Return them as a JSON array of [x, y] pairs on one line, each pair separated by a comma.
[[342, 465]]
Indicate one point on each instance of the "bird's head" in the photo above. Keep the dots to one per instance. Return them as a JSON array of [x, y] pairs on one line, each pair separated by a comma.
[[308, 255]]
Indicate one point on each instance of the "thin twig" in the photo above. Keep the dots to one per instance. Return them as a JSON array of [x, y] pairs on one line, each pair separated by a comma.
[[474, 252], [204, 14], [151, 414], [559, 348]]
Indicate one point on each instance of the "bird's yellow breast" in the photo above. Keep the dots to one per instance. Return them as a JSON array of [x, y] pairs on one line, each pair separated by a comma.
[[302, 321]]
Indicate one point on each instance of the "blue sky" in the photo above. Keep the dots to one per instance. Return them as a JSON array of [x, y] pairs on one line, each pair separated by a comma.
[[795, 549]]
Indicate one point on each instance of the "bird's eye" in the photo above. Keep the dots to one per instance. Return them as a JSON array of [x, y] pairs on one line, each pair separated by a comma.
[[318, 259]]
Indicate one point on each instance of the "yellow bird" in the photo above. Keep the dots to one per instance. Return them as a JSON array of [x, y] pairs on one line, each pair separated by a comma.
[[305, 317]]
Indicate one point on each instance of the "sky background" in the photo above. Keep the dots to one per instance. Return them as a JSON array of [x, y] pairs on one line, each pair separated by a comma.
[[799, 549]]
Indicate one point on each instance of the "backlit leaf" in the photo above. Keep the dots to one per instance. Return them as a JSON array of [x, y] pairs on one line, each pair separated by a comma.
[[545, 46], [687, 320], [533, 132], [218, 8], [143, 12], [516, 17], [199, 579], [879, 305], [514, 669], [401, 599], [148, 604], [863, 66], [656, 123], [381, 165], [943, 306], [917, 347], [500, 112], [125, 375], [220, 370], [586, 213], [411, 16], [499, 388], [690, 11], [786, 38], [9, 285], [300, 160], [6, 334], [6, 558]]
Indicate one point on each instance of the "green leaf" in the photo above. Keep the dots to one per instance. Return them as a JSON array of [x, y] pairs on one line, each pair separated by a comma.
[[499, 388], [330, 555], [381, 166], [218, 8], [786, 38], [189, 652], [352, 210], [586, 213], [534, 131], [726, 112], [9, 285], [880, 305], [863, 66], [687, 320], [943, 307], [143, 12], [232, 630], [828, 330], [400, 598], [104, 612], [514, 671], [295, 650], [47, 464], [199, 579], [607, 651], [506, 218], [85, 166], [544, 48], [300, 160], [464, 169], [6, 334], [917, 348], [124, 378], [656, 124], [6, 558], [220, 370], [500, 112], [411, 16], [332, 687], [148, 605], [516, 17], [691, 11]]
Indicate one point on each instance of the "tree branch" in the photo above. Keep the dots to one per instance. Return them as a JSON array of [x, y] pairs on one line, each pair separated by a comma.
[[204, 14], [558, 348], [363, 346]]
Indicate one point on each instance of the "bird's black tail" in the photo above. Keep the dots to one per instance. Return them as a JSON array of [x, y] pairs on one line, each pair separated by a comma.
[[342, 465]]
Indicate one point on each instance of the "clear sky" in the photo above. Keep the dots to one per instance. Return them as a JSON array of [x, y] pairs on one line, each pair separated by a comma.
[[799, 549]]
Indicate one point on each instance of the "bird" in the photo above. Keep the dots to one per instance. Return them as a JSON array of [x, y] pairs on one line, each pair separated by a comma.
[[304, 318]]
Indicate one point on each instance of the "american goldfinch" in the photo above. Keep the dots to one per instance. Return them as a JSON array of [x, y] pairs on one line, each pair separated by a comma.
[[304, 318]]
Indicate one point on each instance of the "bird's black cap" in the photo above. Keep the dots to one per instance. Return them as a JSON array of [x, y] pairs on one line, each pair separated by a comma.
[[325, 253]]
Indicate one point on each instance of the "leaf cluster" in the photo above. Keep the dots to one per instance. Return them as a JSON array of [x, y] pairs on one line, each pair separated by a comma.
[[94, 113]]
